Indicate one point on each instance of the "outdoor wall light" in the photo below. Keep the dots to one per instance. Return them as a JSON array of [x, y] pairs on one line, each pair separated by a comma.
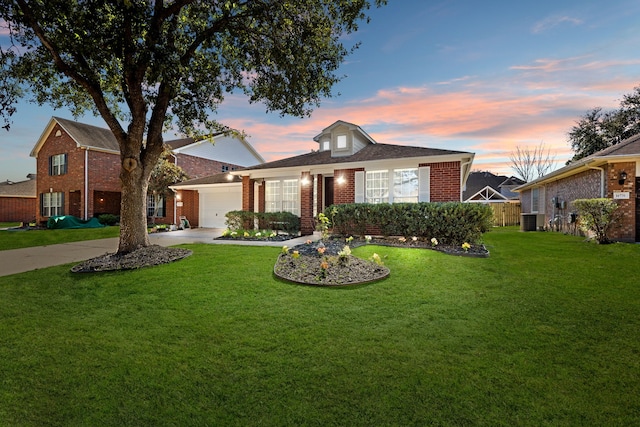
[[304, 181], [623, 178], [229, 177], [341, 180]]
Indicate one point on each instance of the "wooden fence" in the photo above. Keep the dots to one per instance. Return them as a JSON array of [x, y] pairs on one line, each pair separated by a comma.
[[506, 213]]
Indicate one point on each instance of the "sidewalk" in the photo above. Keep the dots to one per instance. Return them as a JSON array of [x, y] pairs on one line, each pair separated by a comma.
[[27, 259]]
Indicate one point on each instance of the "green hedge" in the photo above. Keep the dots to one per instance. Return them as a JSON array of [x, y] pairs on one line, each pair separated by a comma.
[[245, 220], [451, 223]]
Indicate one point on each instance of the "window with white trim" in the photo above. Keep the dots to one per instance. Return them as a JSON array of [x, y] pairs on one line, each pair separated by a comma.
[[282, 196], [535, 200], [405, 185], [151, 206], [377, 187], [341, 142], [58, 164], [52, 204]]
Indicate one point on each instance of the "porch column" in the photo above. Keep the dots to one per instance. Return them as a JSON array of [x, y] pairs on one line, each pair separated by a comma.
[[247, 194], [306, 204]]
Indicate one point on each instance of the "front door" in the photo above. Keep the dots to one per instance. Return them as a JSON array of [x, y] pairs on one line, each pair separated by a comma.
[[328, 191], [637, 209]]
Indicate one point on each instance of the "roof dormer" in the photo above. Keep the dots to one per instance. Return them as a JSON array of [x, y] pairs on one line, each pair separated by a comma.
[[343, 139]]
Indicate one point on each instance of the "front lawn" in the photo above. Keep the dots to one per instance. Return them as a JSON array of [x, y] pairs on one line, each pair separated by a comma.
[[24, 238], [544, 332]]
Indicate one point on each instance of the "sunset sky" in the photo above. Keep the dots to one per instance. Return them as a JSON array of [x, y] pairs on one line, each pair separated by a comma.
[[484, 77]]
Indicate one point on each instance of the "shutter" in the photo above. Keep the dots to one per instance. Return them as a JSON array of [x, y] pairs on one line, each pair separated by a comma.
[[50, 165], [359, 187], [64, 165], [42, 204], [164, 207], [61, 210], [424, 181]]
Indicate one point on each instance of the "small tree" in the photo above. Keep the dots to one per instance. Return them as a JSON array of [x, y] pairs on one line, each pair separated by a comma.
[[529, 163], [163, 175], [597, 216]]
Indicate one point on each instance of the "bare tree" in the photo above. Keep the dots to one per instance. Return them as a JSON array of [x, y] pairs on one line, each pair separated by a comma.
[[530, 164]]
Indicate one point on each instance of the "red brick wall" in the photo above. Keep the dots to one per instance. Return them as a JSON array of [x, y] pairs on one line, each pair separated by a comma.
[[626, 229], [190, 207], [444, 181], [247, 194], [345, 192], [306, 204], [20, 209]]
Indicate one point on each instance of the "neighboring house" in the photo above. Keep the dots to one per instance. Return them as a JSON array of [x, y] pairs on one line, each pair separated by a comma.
[[348, 167], [18, 200], [487, 187], [610, 173], [496, 191], [79, 165]]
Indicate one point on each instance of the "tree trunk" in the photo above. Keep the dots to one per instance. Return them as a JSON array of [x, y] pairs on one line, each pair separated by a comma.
[[133, 208]]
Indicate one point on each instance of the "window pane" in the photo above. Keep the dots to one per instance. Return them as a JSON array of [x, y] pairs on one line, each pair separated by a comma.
[[341, 141], [405, 185], [377, 187], [290, 196]]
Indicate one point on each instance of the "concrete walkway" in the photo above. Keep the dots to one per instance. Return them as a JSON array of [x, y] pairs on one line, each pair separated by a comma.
[[27, 259]]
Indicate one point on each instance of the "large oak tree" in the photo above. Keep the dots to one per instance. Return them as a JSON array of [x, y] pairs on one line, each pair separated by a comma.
[[153, 64]]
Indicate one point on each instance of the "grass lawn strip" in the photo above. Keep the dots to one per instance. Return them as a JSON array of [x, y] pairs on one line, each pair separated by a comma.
[[546, 331]]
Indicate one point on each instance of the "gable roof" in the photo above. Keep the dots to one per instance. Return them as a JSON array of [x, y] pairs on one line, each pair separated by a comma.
[[628, 149], [369, 153], [18, 189], [102, 139]]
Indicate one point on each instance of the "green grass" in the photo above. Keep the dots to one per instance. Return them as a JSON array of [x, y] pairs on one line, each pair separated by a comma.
[[9, 224], [16, 239], [545, 332]]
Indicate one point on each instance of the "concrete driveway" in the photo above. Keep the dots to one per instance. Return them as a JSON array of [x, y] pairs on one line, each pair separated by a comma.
[[27, 259]]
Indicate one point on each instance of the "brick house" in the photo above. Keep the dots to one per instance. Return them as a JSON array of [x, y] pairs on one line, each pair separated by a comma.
[[78, 168], [350, 167], [611, 173], [18, 200]]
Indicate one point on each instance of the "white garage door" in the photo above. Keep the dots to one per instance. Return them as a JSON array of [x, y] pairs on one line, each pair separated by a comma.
[[216, 202]]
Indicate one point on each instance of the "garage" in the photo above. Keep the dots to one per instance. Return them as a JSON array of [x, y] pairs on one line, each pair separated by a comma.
[[216, 201]]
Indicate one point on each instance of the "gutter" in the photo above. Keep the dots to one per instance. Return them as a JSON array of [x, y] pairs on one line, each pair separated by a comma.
[[86, 184]]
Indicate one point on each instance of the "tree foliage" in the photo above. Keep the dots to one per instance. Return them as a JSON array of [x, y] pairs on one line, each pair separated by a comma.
[[164, 174], [530, 164], [598, 129], [152, 64]]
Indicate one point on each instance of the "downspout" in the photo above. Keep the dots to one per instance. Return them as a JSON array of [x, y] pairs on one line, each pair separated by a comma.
[[175, 194], [86, 184]]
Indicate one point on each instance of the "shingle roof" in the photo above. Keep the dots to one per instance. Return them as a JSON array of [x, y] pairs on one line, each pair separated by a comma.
[[103, 138], [90, 136], [368, 153], [18, 189], [479, 180], [219, 178]]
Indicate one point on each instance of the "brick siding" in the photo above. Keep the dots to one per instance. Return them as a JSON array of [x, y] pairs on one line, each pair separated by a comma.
[[18, 209], [444, 181]]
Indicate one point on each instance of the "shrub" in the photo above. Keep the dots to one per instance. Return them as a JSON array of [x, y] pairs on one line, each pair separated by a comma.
[[597, 216], [451, 223], [108, 219], [245, 220]]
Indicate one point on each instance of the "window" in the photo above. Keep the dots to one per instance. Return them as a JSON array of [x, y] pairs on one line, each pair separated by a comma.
[[282, 196], [341, 142], [58, 164], [52, 204], [377, 187], [325, 145], [535, 200], [405, 185], [225, 168], [151, 206]]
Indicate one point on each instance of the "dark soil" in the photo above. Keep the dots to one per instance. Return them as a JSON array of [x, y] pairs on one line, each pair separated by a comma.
[[143, 257]]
